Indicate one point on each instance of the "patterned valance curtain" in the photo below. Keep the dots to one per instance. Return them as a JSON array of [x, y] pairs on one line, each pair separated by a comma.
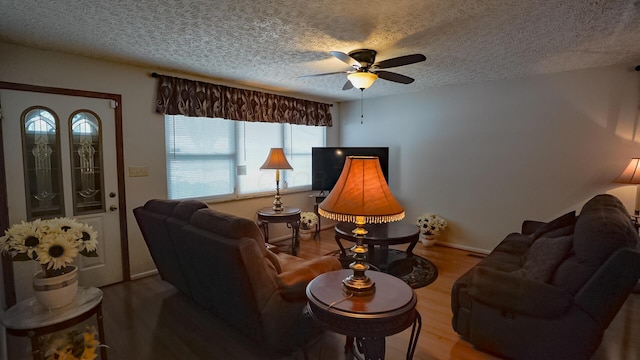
[[178, 96]]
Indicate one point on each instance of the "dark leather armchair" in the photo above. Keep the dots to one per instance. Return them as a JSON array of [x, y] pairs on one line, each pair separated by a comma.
[[222, 263]]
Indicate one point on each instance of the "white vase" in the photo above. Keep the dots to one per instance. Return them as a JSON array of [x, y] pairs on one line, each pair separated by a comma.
[[58, 291], [306, 234], [428, 240]]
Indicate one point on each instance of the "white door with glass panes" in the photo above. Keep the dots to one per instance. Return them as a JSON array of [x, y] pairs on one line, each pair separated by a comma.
[[60, 159]]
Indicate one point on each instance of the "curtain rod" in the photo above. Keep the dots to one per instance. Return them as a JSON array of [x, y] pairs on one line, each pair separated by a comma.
[[155, 75]]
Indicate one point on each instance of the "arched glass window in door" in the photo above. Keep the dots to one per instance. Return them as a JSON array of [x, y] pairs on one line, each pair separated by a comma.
[[86, 161], [42, 168]]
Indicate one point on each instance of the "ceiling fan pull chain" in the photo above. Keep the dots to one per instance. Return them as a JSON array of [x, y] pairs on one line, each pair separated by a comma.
[[361, 106]]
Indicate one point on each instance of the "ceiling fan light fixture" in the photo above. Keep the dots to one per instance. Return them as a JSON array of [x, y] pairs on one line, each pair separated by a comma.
[[362, 80]]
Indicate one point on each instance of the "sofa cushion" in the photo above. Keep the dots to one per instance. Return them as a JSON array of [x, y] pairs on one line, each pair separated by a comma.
[[288, 262], [562, 221], [185, 209], [233, 227], [158, 206], [514, 243], [509, 254], [273, 258], [502, 261], [530, 226], [603, 227], [563, 231], [226, 225], [512, 294], [544, 256], [293, 282]]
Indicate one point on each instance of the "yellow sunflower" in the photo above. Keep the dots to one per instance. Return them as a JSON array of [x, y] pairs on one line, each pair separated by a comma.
[[88, 240], [56, 251], [22, 241], [66, 225]]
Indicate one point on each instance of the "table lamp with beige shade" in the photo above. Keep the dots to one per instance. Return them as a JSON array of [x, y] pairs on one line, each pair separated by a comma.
[[631, 175], [278, 161]]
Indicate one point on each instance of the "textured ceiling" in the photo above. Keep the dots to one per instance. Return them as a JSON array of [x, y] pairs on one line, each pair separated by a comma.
[[270, 43]]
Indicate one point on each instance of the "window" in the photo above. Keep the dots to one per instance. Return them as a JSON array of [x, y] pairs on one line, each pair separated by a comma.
[[209, 158], [86, 161], [42, 169]]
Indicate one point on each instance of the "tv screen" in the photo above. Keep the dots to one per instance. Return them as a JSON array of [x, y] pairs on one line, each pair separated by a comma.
[[327, 163]]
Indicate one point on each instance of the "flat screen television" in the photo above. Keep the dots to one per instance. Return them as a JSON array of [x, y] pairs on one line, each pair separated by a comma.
[[327, 163]]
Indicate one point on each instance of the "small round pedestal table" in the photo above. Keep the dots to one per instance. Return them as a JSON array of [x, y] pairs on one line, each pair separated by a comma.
[[288, 215], [29, 318], [368, 319]]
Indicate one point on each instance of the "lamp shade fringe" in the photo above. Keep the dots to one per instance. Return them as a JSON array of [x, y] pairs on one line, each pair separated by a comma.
[[375, 219]]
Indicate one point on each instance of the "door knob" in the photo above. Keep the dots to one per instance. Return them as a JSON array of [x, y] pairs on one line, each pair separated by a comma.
[[113, 208]]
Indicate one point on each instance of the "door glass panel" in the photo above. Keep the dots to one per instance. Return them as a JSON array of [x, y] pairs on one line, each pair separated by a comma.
[[42, 168], [86, 160]]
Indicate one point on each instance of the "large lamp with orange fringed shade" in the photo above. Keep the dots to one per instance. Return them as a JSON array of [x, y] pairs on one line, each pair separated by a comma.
[[361, 196]]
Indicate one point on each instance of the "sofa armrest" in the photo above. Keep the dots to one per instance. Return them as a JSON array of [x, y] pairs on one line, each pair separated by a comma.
[[293, 282], [515, 294], [606, 291]]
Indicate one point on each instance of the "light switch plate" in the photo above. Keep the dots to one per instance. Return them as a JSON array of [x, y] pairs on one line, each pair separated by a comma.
[[137, 171]]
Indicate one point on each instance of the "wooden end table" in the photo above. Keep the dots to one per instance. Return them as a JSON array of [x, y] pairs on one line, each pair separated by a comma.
[[318, 199], [368, 319], [288, 215], [29, 318], [379, 238]]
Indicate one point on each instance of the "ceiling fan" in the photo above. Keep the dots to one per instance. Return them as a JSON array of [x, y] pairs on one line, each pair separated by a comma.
[[366, 70]]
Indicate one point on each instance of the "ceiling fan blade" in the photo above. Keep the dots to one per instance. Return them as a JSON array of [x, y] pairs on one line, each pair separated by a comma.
[[395, 77], [399, 61], [347, 86], [346, 59], [331, 73]]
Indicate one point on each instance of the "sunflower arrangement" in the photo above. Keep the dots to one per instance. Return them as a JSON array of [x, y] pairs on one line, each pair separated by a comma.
[[430, 224], [308, 220], [53, 243], [71, 345]]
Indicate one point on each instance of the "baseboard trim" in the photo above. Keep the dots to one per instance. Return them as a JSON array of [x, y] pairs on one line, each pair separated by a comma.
[[463, 247], [144, 274]]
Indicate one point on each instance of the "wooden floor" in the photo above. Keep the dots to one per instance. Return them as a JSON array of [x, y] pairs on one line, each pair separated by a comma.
[[148, 319]]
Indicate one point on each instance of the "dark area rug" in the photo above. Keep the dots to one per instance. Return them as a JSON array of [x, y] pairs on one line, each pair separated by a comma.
[[415, 270]]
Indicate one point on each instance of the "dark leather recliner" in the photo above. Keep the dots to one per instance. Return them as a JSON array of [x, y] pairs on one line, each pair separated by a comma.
[[222, 263], [551, 291]]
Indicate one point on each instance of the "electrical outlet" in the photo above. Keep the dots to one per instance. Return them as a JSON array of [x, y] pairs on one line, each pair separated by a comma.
[[137, 171]]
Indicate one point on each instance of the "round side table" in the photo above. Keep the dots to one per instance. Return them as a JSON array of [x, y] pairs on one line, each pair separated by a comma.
[[288, 215], [378, 239], [29, 318], [368, 319]]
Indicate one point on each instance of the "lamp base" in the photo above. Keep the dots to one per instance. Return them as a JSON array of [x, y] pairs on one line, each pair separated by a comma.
[[359, 284], [355, 286], [277, 203]]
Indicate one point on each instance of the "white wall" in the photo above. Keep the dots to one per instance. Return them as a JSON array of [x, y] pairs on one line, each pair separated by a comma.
[[484, 156], [143, 129], [487, 156]]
